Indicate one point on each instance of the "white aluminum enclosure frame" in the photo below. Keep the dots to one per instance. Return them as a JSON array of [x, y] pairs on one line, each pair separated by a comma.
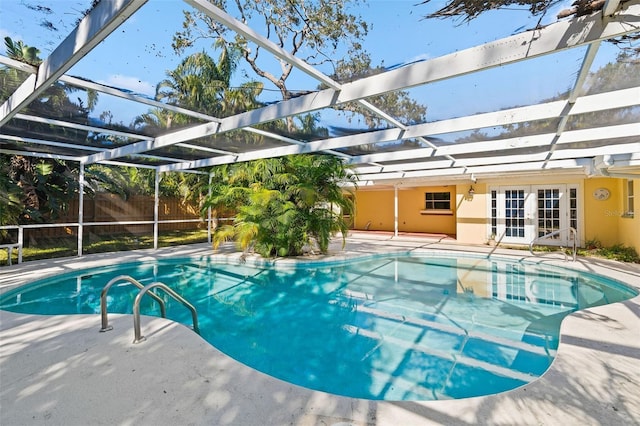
[[616, 19]]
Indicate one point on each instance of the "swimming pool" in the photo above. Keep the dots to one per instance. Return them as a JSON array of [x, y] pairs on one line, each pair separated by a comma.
[[398, 327]]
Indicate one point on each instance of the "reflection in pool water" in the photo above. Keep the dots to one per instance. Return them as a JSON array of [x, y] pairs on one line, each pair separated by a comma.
[[395, 327]]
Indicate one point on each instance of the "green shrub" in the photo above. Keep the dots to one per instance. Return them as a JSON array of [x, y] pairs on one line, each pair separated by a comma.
[[620, 252]]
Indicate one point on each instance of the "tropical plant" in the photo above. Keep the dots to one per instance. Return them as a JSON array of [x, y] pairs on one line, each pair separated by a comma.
[[189, 187], [123, 181], [47, 187], [283, 204], [21, 52], [10, 197]]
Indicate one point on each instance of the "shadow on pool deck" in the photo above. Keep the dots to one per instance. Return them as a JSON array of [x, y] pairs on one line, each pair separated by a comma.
[[59, 370]]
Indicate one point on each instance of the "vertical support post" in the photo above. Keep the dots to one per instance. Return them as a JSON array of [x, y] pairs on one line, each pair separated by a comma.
[[395, 210], [80, 208], [209, 211], [20, 242], [156, 210]]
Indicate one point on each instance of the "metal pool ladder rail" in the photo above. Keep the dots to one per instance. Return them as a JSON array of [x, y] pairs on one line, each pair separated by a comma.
[[103, 299], [136, 308], [574, 235]]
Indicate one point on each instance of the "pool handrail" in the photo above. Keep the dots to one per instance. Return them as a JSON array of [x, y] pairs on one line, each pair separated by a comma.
[[103, 299], [136, 308], [572, 232], [495, 247]]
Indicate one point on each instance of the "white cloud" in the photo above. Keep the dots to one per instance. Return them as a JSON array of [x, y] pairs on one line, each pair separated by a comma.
[[130, 83]]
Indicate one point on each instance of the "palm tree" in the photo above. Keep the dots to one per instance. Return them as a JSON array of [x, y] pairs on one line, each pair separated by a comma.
[[202, 84], [283, 204], [21, 52]]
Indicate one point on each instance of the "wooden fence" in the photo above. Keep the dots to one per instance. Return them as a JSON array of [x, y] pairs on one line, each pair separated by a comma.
[[112, 208]]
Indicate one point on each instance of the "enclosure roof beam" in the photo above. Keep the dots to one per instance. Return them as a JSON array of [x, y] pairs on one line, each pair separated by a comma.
[[563, 154], [105, 17], [609, 8], [536, 166], [94, 129], [51, 143], [617, 99], [583, 135], [40, 155], [19, 65], [555, 37], [86, 84]]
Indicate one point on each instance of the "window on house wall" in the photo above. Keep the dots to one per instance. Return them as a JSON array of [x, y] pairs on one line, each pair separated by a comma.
[[628, 198], [437, 201]]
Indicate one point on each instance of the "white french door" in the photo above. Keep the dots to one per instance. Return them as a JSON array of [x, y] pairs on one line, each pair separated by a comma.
[[522, 213], [514, 214]]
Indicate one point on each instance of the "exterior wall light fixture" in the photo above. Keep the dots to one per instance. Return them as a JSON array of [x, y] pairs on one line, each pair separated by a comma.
[[470, 193]]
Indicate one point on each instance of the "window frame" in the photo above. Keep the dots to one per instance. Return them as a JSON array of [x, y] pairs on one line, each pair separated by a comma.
[[629, 197], [435, 204]]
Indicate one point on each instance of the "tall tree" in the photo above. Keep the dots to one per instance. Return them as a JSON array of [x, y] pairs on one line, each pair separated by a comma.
[[314, 31], [202, 84], [398, 103]]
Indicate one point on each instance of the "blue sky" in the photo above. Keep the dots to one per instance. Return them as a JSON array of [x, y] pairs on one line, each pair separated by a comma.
[[137, 55]]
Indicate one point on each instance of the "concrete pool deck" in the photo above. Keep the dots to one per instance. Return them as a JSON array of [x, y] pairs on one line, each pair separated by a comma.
[[59, 370]]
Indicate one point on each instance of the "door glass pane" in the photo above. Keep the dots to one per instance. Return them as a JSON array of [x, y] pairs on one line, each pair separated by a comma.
[[549, 212], [573, 209], [514, 213], [494, 213]]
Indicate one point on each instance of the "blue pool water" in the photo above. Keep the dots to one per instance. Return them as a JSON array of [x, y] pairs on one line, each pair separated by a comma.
[[398, 327]]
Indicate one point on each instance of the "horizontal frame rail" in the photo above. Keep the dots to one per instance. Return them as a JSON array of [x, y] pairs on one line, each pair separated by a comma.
[[19, 244]]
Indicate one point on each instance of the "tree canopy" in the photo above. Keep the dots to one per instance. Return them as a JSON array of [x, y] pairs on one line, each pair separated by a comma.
[[313, 31], [470, 9]]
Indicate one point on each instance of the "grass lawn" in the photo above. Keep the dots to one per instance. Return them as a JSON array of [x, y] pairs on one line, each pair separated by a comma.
[[49, 248]]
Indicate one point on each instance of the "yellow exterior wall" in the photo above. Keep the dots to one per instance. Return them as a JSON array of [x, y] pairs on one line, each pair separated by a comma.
[[601, 217], [472, 214], [411, 201], [629, 227], [601, 220], [376, 208]]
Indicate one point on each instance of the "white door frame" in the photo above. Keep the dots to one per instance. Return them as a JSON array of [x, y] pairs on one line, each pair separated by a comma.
[[515, 220], [529, 217]]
